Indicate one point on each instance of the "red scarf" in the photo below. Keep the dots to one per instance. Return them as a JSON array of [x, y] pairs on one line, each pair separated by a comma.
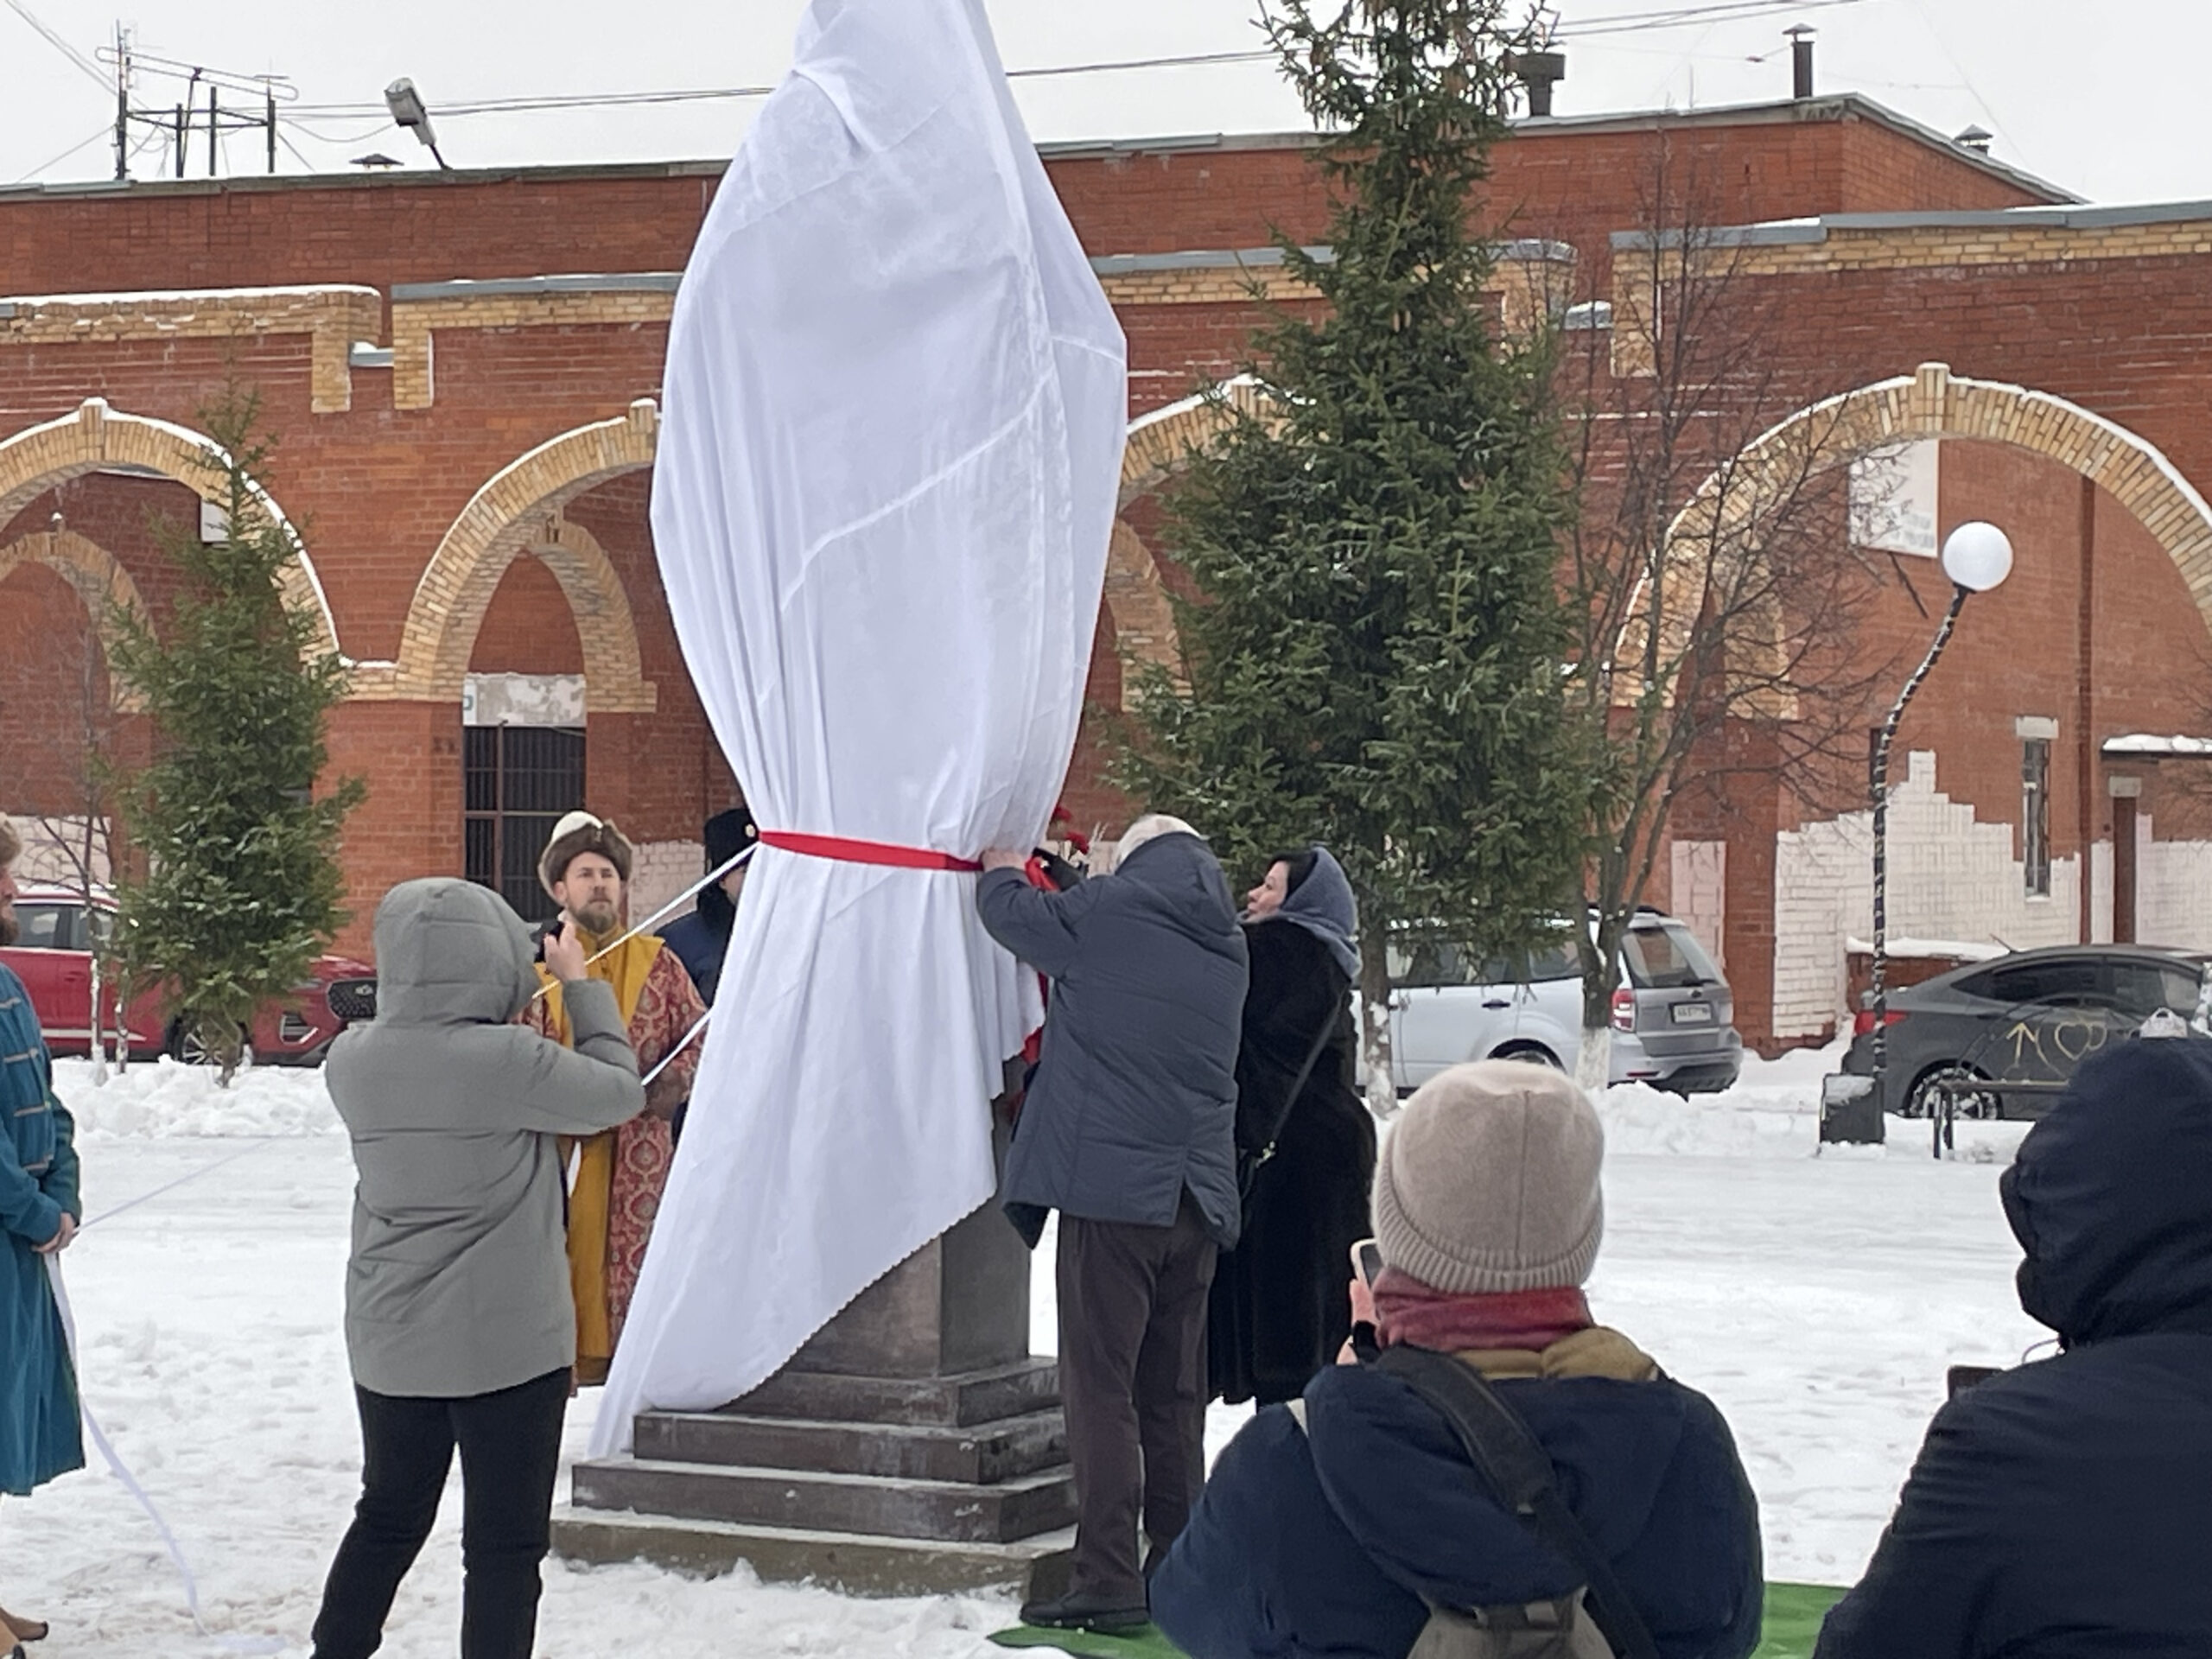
[[1408, 1311]]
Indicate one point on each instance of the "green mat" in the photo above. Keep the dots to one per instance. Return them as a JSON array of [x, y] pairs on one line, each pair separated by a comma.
[[1793, 1613]]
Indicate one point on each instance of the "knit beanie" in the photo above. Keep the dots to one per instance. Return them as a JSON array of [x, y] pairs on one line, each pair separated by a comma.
[[1488, 1181]]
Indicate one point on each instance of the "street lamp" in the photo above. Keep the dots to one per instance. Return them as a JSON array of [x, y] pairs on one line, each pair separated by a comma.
[[408, 111], [1976, 557]]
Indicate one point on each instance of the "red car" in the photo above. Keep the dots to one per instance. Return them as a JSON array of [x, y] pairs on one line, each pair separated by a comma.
[[53, 958]]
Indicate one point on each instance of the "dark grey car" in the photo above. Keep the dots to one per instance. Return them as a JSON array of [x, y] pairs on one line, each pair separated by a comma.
[[2028, 1020]]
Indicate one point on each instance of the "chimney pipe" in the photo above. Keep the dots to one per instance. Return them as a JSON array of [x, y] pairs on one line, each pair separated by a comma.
[[1538, 73], [1975, 139], [1800, 55]]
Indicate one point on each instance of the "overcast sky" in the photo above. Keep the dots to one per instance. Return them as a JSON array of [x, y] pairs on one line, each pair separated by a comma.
[[2105, 100]]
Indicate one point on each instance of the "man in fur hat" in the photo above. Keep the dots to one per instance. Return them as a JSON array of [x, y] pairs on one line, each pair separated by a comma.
[[620, 1174]]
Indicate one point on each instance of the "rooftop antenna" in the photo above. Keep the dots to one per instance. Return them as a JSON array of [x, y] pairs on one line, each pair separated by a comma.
[[175, 126]]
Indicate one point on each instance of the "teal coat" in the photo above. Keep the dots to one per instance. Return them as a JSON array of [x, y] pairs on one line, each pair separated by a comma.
[[39, 1435]]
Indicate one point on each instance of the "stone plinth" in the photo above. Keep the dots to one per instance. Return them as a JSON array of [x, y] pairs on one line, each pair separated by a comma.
[[913, 1446]]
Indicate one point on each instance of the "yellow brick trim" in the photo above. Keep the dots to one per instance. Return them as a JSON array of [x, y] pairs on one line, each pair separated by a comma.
[[104, 587], [415, 323], [333, 317], [34, 460], [1137, 600], [518, 511], [1162, 442], [1528, 289]]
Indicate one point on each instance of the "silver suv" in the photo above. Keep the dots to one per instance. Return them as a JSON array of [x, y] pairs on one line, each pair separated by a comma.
[[1674, 1017]]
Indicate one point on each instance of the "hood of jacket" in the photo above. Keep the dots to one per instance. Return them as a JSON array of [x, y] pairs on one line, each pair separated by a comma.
[[1192, 895], [451, 953], [2108, 1197], [1323, 904]]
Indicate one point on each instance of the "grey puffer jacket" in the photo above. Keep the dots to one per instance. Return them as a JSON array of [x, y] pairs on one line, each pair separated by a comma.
[[459, 1280], [1134, 1099]]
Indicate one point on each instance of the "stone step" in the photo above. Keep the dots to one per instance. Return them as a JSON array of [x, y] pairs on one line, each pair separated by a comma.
[[857, 1564], [985, 1455], [949, 1511], [962, 1400]]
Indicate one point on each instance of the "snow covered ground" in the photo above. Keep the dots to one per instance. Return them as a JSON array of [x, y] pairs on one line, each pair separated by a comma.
[[1818, 1300]]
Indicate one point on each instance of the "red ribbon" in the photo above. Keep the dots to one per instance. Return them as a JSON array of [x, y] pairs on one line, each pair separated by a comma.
[[847, 851]]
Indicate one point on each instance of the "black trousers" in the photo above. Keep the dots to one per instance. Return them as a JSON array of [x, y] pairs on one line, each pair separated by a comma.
[[510, 1444], [1132, 1378]]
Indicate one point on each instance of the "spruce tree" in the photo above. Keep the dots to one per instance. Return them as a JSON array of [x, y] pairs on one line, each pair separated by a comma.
[[1374, 657], [236, 885]]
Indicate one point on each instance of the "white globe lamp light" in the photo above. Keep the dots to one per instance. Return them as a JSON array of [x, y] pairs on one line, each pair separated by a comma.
[[1978, 556]]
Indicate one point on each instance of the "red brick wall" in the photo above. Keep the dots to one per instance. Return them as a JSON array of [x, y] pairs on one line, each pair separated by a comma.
[[409, 754], [529, 628], [54, 689]]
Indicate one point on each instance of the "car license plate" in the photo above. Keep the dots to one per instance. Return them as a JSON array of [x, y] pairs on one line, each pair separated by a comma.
[[1693, 1014]]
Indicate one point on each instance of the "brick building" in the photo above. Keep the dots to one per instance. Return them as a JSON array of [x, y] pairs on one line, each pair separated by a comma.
[[462, 369]]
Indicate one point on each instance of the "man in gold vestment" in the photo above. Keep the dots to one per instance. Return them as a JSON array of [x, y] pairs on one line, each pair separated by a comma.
[[620, 1174]]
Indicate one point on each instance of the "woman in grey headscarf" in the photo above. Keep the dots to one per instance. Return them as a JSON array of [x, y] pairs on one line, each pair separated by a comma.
[[1304, 1140]]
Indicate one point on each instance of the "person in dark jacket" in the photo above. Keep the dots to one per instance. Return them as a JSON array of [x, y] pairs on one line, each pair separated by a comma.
[[701, 940], [1128, 1132], [1279, 1313], [2064, 1509], [1339, 1523]]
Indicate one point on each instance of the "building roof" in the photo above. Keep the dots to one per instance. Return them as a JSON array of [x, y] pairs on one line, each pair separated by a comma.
[[1843, 106]]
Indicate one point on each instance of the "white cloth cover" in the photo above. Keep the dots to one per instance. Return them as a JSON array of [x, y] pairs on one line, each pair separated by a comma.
[[891, 447]]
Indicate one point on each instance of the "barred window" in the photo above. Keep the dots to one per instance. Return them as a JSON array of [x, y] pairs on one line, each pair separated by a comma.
[[519, 780], [2035, 814]]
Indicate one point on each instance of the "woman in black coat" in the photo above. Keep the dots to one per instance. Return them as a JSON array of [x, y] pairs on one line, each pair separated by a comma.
[[1280, 1310]]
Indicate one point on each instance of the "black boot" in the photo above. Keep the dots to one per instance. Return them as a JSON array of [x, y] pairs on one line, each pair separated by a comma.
[[1084, 1610]]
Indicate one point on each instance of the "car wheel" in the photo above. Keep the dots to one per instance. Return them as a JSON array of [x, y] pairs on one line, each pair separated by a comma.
[[1923, 1099], [185, 1048], [1532, 1052]]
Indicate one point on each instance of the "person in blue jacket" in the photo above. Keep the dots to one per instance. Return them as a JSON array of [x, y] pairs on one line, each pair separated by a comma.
[[2064, 1508], [39, 1212], [1337, 1524]]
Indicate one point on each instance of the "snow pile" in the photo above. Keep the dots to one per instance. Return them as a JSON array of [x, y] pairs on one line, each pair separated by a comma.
[[162, 1098], [1640, 1121], [1773, 1111]]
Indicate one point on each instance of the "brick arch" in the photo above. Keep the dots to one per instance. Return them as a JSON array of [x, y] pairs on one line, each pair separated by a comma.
[[104, 586], [1162, 442], [1160, 445], [519, 511], [34, 460], [1934, 403]]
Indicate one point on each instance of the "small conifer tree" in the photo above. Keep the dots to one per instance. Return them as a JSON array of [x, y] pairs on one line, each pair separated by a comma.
[[238, 884]]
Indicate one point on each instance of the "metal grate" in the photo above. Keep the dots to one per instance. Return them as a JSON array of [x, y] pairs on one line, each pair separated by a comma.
[[517, 780]]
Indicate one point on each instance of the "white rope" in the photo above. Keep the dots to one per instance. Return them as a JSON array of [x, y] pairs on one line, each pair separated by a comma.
[[121, 1471], [664, 912], [182, 1181], [669, 1058]]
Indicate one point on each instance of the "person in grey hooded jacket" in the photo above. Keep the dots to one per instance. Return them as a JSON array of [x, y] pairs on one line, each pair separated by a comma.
[[1129, 1131], [458, 1321]]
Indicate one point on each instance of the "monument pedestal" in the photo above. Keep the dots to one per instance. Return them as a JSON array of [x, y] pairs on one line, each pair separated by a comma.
[[914, 1447]]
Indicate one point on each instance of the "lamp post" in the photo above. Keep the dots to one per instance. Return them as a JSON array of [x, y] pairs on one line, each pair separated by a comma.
[[1976, 557]]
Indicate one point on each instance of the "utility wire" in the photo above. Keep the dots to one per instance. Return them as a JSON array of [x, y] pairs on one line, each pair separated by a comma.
[[1715, 11], [105, 82], [1721, 11], [106, 132]]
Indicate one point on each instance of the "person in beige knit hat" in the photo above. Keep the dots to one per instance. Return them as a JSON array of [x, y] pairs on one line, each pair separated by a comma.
[[1342, 1522]]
